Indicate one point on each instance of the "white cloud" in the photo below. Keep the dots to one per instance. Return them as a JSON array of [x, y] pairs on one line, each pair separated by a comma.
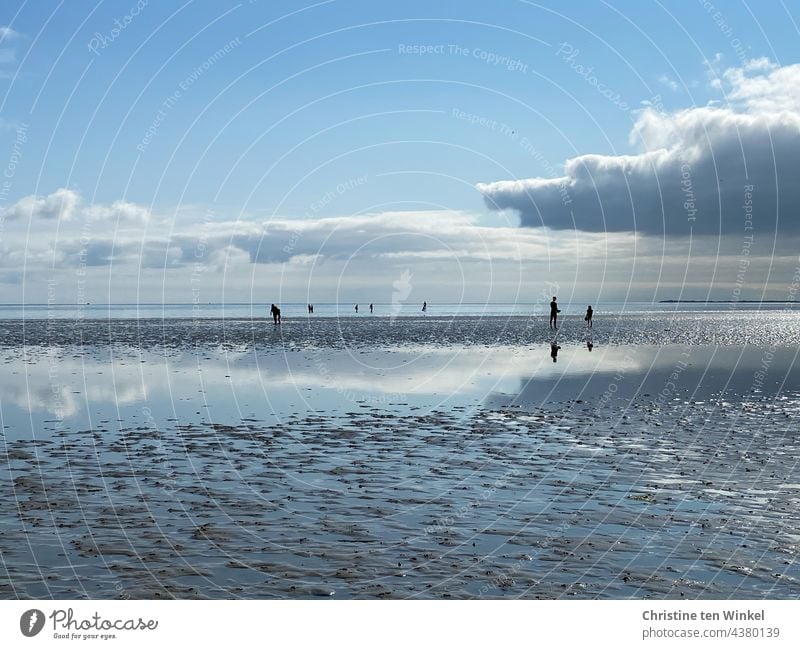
[[333, 257], [668, 82], [61, 204], [691, 171], [8, 55], [6, 33], [395, 236], [228, 258], [761, 86], [121, 210]]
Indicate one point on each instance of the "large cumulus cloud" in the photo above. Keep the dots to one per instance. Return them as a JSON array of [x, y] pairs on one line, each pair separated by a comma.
[[693, 173]]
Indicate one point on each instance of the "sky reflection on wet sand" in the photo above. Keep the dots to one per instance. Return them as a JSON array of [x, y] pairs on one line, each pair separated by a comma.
[[422, 470]]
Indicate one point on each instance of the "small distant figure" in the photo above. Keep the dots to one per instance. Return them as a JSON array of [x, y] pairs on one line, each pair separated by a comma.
[[276, 314], [424, 307], [589, 344], [588, 317], [554, 311], [310, 309], [370, 308], [554, 347], [356, 308]]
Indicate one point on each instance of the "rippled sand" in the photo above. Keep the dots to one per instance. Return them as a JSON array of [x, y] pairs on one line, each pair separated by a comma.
[[229, 472]]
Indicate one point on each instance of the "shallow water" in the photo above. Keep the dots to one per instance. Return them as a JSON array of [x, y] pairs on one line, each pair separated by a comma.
[[430, 459], [176, 336]]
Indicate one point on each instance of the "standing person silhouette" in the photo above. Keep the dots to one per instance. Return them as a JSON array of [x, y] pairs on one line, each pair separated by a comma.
[[370, 307], [356, 308], [424, 307], [588, 317], [554, 311], [276, 314]]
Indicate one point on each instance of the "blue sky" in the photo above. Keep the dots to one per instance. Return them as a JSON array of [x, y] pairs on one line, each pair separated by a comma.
[[217, 112]]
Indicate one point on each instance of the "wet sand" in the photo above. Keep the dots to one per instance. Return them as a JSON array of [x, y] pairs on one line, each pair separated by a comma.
[[413, 459], [721, 327]]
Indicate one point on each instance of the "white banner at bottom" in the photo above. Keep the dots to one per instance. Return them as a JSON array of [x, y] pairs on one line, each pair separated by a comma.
[[352, 624]]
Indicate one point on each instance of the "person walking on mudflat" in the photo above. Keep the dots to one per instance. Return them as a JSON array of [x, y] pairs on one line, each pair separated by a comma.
[[588, 317], [554, 311], [276, 314]]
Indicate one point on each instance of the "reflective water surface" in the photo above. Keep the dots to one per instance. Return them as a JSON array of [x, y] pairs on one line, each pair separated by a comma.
[[414, 470]]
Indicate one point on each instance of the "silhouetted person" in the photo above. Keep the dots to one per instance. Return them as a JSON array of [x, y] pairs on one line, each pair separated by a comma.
[[370, 308], [589, 344], [424, 307], [276, 314], [554, 311], [312, 308], [588, 317], [356, 308], [554, 347]]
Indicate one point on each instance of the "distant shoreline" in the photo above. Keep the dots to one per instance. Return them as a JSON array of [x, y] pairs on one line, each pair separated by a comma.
[[727, 301]]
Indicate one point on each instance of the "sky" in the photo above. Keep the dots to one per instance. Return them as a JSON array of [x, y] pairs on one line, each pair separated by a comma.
[[276, 151]]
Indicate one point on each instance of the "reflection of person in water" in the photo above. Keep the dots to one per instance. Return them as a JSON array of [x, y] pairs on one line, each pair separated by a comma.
[[554, 311], [588, 317], [554, 347], [589, 344], [276, 314]]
